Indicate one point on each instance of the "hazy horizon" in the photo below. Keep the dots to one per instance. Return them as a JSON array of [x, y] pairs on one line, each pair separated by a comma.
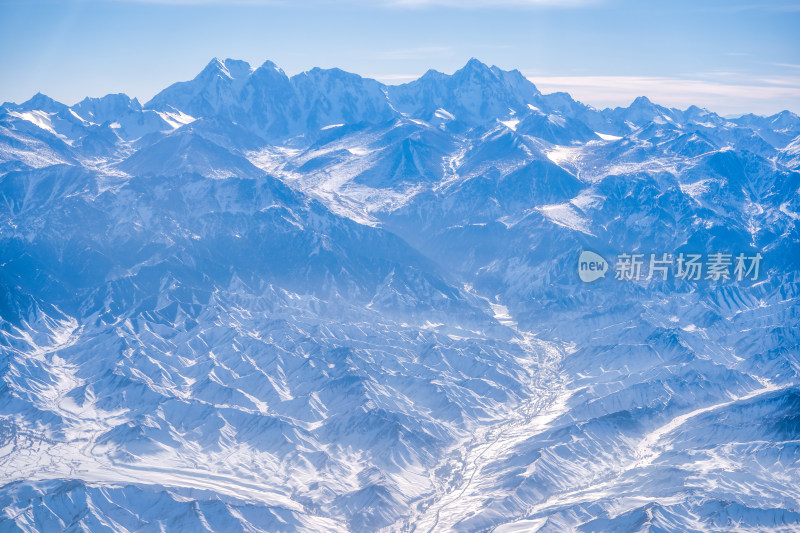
[[732, 57]]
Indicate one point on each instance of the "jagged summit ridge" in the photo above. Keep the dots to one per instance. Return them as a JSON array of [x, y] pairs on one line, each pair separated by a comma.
[[321, 303], [273, 105]]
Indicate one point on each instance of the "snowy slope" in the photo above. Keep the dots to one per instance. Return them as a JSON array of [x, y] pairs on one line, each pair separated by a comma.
[[319, 303]]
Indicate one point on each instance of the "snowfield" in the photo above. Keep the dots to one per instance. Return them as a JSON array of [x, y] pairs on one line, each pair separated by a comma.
[[319, 303]]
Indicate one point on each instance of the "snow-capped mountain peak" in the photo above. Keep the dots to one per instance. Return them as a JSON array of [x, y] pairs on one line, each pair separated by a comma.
[[321, 303]]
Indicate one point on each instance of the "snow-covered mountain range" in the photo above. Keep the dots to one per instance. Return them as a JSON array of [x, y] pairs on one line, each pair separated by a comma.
[[320, 303]]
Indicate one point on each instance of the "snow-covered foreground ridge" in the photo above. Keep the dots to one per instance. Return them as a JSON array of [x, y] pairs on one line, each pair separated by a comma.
[[319, 303]]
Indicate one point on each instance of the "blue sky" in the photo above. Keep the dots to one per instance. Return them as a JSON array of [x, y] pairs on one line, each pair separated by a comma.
[[732, 56]]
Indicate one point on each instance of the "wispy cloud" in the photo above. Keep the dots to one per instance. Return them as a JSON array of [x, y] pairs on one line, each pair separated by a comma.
[[476, 4], [604, 91], [410, 4], [210, 2]]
